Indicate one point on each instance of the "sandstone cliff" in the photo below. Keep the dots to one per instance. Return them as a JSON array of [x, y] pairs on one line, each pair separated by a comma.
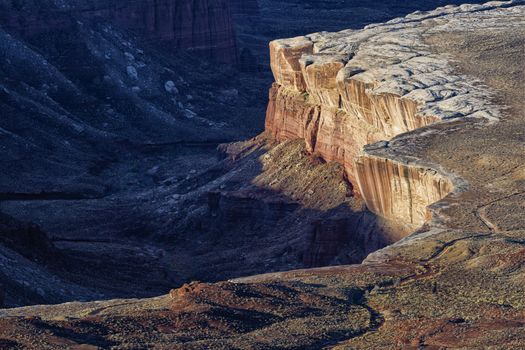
[[204, 27], [343, 91]]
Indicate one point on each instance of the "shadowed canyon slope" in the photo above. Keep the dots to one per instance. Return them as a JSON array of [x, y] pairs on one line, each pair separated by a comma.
[[421, 119], [112, 114], [202, 26], [100, 106]]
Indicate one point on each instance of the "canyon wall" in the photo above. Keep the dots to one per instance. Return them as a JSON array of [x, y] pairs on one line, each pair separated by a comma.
[[397, 190], [245, 11], [342, 91], [316, 98], [204, 27]]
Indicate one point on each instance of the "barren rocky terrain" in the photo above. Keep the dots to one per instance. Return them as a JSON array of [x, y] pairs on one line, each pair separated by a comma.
[[112, 114], [405, 136]]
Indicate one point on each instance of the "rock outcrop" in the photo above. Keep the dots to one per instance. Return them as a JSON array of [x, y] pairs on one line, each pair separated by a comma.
[[400, 191], [345, 238], [204, 27], [343, 91]]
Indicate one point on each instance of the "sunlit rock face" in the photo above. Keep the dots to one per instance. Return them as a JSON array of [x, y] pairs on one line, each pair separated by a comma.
[[390, 188], [284, 61], [342, 91], [289, 117], [399, 191], [202, 26], [328, 132]]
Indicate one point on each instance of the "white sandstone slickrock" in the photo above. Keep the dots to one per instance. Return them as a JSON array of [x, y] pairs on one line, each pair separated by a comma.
[[394, 59]]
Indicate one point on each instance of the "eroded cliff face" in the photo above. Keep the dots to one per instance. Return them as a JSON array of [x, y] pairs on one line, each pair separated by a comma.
[[329, 132], [444, 287], [343, 91], [204, 27], [337, 119], [396, 190]]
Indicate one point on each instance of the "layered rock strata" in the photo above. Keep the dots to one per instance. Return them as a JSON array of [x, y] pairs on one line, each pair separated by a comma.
[[204, 27], [459, 285], [342, 91]]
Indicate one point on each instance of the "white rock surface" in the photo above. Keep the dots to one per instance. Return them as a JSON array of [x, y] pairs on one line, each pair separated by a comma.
[[394, 58]]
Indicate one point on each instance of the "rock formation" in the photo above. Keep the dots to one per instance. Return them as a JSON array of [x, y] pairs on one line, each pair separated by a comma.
[[343, 91], [413, 110], [79, 96], [204, 27]]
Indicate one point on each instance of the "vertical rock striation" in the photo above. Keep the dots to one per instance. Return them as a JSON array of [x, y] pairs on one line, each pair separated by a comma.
[[342, 91], [399, 191], [204, 27]]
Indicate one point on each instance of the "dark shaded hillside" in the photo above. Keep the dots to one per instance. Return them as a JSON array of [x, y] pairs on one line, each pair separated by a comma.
[[108, 132]]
